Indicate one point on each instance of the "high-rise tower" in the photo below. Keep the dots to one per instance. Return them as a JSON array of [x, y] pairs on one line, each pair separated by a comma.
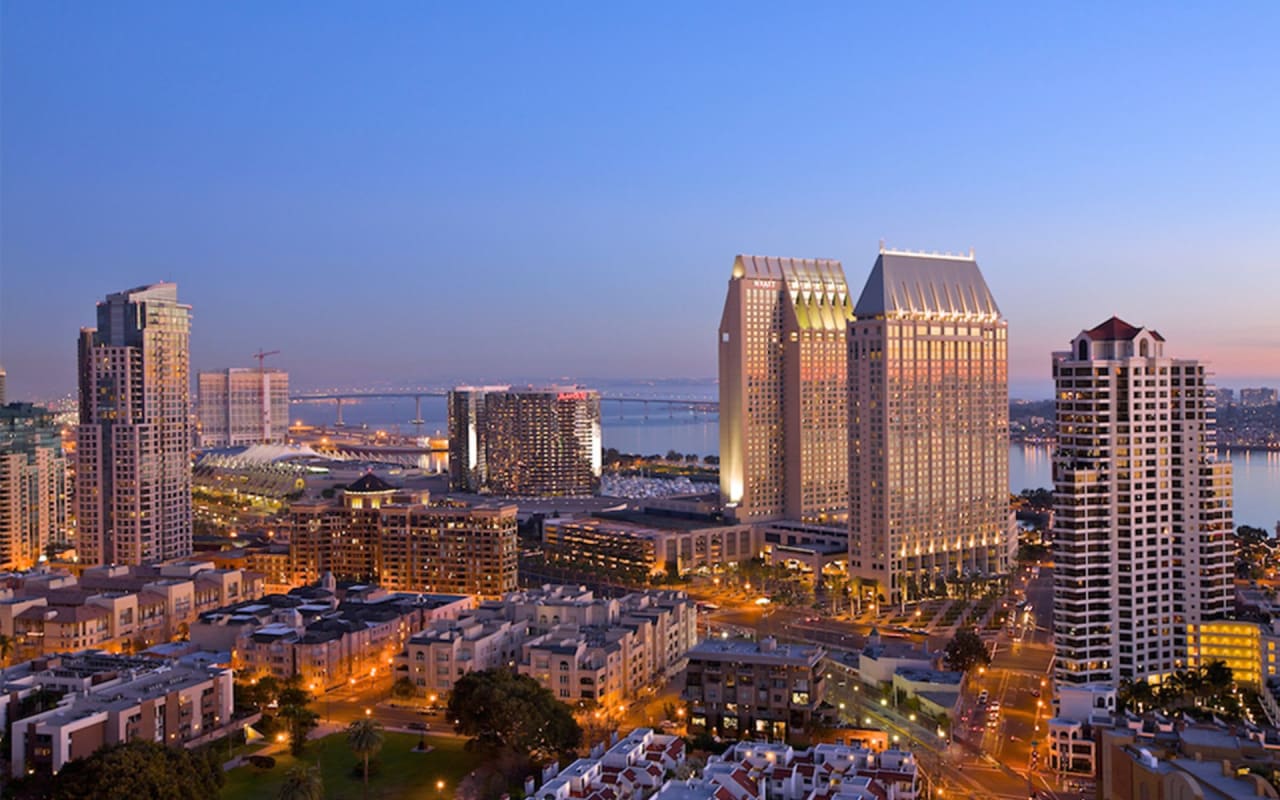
[[783, 390], [33, 496], [243, 407], [133, 444], [1142, 525], [928, 430], [525, 441]]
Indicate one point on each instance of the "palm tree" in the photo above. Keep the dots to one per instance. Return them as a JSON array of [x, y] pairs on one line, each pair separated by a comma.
[[364, 737], [1217, 675], [302, 783], [1141, 695]]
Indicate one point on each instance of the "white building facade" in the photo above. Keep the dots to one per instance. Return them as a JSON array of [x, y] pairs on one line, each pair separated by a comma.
[[1143, 522], [243, 407]]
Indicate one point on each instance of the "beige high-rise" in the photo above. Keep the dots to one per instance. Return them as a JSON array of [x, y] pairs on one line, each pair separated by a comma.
[[783, 390], [1143, 523], [929, 429], [33, 497], [133, 444], [243, 406]]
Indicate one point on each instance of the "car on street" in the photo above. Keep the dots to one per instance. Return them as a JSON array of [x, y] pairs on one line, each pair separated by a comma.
[[419, 726]]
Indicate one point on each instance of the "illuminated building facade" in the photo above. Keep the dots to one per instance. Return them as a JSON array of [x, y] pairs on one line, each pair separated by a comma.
[[525, 442], [33, 492], [721, 680], [783, 390], [928, 429], [629, 550], [467, 471], [1143, 523], [1236, 643], [133, 444], [396, 539], [243, 407]]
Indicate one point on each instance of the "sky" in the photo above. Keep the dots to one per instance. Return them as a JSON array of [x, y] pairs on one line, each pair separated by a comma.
[[420, 192]]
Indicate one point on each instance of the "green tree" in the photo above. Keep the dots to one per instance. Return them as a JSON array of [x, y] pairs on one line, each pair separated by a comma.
[[403, 689], [135, 770], [1248, 534], [502, 710], [364, 737], [966, 651], [1218, 677], [300, 720], [302, 783]]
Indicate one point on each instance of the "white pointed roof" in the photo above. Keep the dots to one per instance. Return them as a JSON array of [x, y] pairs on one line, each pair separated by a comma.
[[816, 286], [925, 286]]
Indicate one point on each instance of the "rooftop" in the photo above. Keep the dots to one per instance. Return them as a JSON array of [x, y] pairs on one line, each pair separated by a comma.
[[766, 651], [1117, 330], [370, 484], [905, 285]]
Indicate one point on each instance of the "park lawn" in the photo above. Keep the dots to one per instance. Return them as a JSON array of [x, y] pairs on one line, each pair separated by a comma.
[[403, 774]]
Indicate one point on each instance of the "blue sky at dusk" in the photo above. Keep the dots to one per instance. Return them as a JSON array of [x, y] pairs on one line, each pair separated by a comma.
[[424, 192]]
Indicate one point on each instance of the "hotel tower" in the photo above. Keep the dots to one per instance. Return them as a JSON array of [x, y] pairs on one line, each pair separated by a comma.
[[928, 429], [133, 444], [1142, 507], [784, 416]]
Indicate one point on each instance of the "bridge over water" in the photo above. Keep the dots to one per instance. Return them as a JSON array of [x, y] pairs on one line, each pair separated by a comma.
[[670, 404]]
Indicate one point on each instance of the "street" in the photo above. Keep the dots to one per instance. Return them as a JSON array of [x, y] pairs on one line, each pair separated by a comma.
[[989, 753]]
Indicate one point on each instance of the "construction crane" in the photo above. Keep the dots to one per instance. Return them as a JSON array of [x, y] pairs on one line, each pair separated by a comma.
[[261, 355]]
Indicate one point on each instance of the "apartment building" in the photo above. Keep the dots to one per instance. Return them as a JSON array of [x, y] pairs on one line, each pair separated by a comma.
[[326, 636], [830, 771], [108, 699], [33, 491], [448, 649], [599, 665], [241, 406], [631, 547], [133, 444], [1142, 510], [632, 768], [1258, 397], [736, 687], [533, 442], [929, 428], [784, 415], [1243, 646], [1194, 762], [116, 609], [579, 646], [399, 540]]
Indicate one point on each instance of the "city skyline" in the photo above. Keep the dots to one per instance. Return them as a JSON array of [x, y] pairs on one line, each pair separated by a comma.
[[382, 180]]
